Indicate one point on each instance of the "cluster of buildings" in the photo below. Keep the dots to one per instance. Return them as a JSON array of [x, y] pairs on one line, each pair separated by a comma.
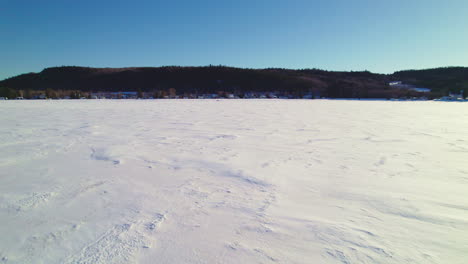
[[453, 97], [450, 97], [171, 94], [145, 95], [114, 95], [410, 87], [249, 95]]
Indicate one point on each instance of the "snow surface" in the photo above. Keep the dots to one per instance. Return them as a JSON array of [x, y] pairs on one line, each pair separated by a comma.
[[233, 181]]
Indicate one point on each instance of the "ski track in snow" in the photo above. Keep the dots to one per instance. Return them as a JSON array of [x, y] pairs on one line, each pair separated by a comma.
[[233, 181]]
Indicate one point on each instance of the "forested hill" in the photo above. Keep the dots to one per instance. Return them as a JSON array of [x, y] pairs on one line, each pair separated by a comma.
[[441, 80], [213, 79]]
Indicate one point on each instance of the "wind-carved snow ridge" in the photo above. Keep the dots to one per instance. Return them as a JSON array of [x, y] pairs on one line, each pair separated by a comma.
[[112, 247], [33, 200], [345, 246], [105, 154], [119, 244], [26, 202], [156, 222], [222, 170]]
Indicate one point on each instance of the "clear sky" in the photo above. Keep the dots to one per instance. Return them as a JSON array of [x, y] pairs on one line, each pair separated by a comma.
[[377, 35]]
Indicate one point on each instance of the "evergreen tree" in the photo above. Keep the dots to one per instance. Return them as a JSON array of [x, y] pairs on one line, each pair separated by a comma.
[[8, 92], [75, 95], [50, 93]]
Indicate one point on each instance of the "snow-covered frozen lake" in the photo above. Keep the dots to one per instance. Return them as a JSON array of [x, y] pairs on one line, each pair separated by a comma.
[[233, 181]]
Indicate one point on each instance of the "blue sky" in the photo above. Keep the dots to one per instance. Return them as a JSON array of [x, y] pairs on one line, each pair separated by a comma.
[[380, 36]]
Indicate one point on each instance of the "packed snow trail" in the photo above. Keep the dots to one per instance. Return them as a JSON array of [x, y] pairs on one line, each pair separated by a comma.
[[233, 181]]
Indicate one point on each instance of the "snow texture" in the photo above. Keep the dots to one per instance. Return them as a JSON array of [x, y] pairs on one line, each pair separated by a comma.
[[233, 181]]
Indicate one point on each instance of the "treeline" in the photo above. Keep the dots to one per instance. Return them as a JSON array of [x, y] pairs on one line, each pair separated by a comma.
[[440, 80], [202, 80], [10, 93], [184, 79], [221, 79]]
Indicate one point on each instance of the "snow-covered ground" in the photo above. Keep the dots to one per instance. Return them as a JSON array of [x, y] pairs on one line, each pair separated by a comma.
[[233, 181]]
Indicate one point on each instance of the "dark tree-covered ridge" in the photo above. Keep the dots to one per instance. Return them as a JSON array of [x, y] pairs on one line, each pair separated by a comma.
[[213, 79]]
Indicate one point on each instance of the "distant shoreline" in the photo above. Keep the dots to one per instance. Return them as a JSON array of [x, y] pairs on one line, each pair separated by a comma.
[[229, 82]]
